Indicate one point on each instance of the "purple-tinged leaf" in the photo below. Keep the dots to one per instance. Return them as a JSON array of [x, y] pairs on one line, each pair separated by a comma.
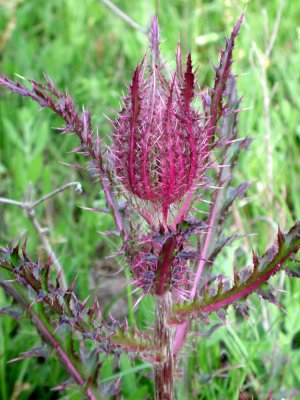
[[40, 352], [268, 265], [223, 74]]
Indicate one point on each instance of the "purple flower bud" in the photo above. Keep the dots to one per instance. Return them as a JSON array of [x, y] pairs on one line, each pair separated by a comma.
[[160, 142]]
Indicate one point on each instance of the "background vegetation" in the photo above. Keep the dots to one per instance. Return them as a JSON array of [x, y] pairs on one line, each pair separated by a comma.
[[87, 48]]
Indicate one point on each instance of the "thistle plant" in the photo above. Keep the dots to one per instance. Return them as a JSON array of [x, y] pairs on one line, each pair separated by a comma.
[[173, 150]]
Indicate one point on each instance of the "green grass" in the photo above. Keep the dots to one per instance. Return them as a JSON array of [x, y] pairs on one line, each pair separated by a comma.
[[90, 50]]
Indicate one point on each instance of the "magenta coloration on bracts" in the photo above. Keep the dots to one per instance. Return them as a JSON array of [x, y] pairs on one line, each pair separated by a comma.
[[160, 140]]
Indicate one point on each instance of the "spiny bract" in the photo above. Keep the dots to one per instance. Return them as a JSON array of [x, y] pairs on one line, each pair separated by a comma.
[[160, 141]]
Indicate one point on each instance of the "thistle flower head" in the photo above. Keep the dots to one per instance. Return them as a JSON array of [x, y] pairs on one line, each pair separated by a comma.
[[160, 141]]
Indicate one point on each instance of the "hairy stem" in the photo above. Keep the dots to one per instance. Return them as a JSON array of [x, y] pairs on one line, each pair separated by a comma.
[[163, 337]]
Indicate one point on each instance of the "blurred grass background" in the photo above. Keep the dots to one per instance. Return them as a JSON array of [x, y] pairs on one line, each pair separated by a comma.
[[87, 48]]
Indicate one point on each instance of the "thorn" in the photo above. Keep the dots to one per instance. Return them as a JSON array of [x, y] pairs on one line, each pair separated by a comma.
[[255, 261], [71, 287], [95, 309], [24, 249], [236, 277], [280, 238], [58, 279], [84, 303], [220, 286], [15, 250]]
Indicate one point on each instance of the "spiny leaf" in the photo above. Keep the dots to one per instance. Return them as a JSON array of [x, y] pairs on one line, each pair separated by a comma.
[[223, 74], [65, 304], [269, 264], [42, 352], [133, 340]]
